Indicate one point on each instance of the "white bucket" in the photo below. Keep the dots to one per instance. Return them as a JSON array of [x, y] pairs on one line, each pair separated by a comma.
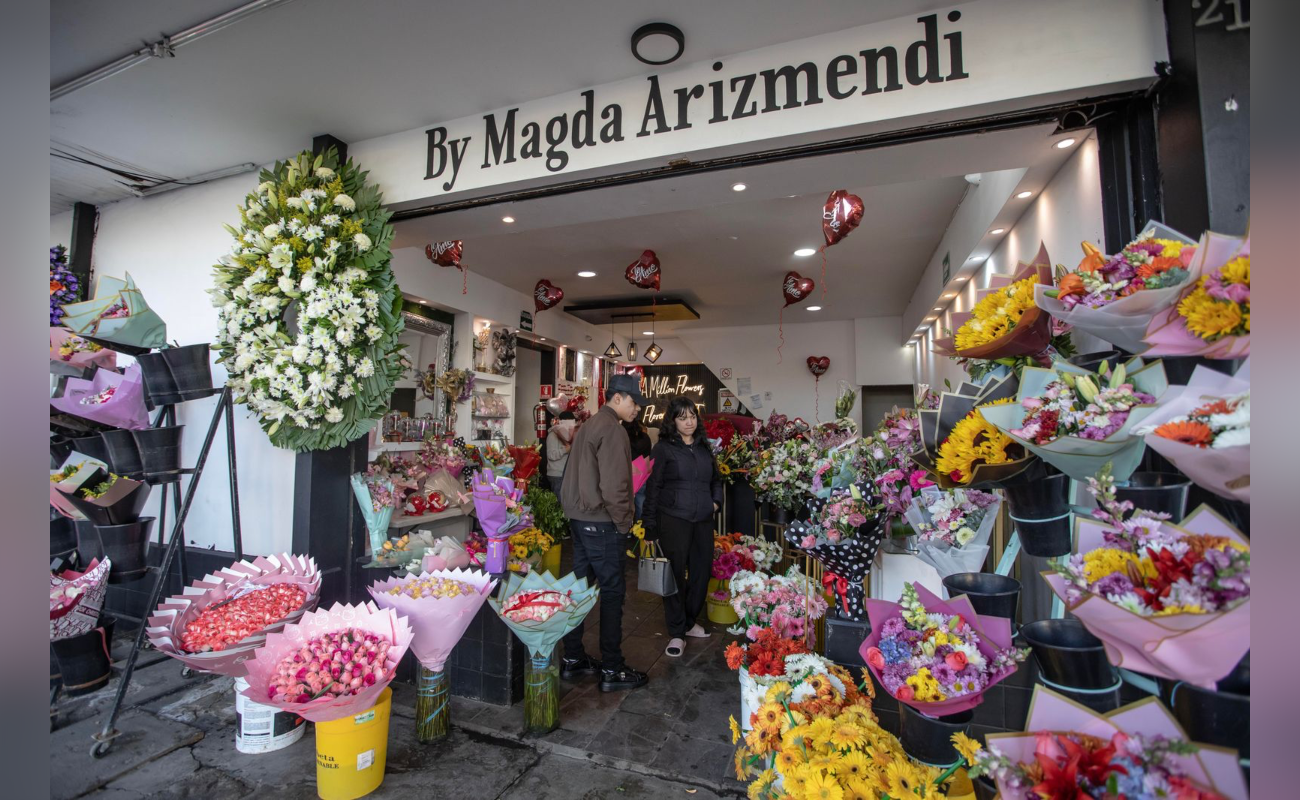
[[263, 729]]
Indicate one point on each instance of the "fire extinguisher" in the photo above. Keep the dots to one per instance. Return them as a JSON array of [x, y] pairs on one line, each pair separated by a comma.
[[539, 420]]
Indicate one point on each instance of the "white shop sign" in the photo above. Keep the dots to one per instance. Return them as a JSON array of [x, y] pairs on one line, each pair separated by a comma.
[[962, 61]]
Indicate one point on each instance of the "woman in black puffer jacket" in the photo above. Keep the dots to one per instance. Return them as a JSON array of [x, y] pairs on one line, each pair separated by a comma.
[[682, 495]]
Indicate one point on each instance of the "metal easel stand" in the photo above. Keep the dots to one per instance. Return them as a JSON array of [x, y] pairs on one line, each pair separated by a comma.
[[224, 408]]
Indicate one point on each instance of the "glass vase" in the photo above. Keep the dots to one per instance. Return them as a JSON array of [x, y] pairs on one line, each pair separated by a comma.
[[541, 695], [432, 706]]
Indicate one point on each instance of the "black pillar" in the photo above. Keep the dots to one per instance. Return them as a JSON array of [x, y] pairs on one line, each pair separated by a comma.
[[1130, 174], [327, 523], [85, 217]]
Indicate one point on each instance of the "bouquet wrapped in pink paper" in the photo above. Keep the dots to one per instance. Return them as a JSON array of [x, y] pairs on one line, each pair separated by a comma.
[[109, 398], [1204, 430], [439, 607], [330, 663], [1137, 752], [446, 553], [641, 469], [1171, 601], [1211, 316], [501, 512], [76, 598], [67, 348], [217, 623], [937, 656]]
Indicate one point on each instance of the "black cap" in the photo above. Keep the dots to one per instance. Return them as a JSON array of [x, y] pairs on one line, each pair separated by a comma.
[[626, 384]]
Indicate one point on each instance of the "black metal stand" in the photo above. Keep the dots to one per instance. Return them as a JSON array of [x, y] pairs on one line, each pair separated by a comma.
[[225, 408]]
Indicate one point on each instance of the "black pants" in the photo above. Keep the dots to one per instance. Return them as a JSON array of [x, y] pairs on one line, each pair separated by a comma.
[[689, 547], [598, 553]]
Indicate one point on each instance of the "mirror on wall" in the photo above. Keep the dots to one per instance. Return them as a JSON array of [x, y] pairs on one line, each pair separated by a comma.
[[428, 342]]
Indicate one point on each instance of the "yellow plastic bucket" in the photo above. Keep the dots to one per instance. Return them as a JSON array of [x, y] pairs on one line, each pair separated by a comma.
[[351, 752], [551, 561]]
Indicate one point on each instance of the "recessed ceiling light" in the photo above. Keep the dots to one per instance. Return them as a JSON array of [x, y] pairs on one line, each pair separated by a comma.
[[1064, 143], [424, 302], [804, 252], [738, 187], [996, 231], [814, 308], [938, 308], [1023, 195], [586, 273], [541, 338], [647, 333], [507, 219]]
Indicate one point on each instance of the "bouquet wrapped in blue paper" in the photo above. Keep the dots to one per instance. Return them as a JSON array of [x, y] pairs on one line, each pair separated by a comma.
[[501, 512], [377, 499], [118, 315]]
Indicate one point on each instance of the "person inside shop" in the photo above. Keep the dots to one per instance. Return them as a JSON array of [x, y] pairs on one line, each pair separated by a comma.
[[682, 495], [597, 499], [640, 442], [558, 443]]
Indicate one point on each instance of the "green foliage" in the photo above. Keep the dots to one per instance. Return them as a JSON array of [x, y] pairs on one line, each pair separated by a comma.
[[548, 514]]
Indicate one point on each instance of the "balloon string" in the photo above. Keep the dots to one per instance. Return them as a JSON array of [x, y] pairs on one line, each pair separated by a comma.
[[781, 330], [464, 281], [823, 274], [817, 392]]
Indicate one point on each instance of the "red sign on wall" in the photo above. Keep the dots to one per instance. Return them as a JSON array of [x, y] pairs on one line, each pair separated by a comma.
[[546, 392]]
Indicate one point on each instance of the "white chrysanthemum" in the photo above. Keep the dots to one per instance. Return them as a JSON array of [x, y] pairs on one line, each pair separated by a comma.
[[331, 246], [315, 358], [365, 368], [324, 173], [373, 332], [312, 233], [295, 202], [300, 354], [271, 304], [271, 231], [330, 220], [1233, 438], [344, 202], [286, 284], [333, 414], [965, 535], [346, 390], [307, 283], [362, 242], [295, 225]]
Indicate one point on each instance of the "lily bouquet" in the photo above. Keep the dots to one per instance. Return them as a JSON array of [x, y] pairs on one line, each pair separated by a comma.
[[783, 474], [937, 656], [1137, 752], [784, 603], [953, 528], [1172, 601], [1204, 430], [1115, 298], [1212, 316], [1077, 420]]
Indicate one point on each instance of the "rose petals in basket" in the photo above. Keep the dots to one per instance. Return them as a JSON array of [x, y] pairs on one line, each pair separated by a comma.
[[166, 626], [437, 622], [262, 668]]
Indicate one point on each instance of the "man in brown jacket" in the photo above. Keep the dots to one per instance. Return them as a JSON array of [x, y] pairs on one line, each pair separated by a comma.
[[597, 498]]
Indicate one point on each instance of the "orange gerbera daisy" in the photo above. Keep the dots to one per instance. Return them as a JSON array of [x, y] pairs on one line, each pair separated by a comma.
[[1197, 434], [735, 655], [1158, 265]]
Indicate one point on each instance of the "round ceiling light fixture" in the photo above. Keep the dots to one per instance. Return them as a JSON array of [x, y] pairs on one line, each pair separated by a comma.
[[1024, 194], [804, 252], [658, 43], [996, 231], [507, 220], [586, 273], [1064, 143], [814, 308], [738, 187]]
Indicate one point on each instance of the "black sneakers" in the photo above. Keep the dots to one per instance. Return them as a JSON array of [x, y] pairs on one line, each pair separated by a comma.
[[571, 668], [623, 678]]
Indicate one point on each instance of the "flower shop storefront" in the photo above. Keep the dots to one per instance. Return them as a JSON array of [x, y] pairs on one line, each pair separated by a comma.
[[408, 335]]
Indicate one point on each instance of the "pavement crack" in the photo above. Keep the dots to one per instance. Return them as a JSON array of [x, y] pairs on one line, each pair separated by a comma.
[[537, 759]]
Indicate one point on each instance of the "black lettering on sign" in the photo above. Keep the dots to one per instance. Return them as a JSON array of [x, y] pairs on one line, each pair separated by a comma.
[[746, 86], [791, 76], [496, 141], [654, 109]]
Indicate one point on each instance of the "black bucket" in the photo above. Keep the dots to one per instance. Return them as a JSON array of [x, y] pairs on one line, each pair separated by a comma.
[[1217, 717], [1068, 656], [63, 538], [1178, 370], [1040, 509], [160, 453], [191, 370], [1164, 492], [56, 677], [776, 515], [127, 546], [929, 739], [93, 446], [159, 385], [121, 504], [60, 449], [85, 663], [985, 788], [123, 454], [1093, 361], [990, 594]]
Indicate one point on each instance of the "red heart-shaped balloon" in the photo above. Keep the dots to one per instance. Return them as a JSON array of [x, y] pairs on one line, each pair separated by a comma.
[[444, 254], [644, 272], [795, 287], [546, 295], [818, 365], [841, 214]]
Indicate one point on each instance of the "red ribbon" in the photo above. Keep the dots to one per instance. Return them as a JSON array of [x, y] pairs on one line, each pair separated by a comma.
[[832, 581]]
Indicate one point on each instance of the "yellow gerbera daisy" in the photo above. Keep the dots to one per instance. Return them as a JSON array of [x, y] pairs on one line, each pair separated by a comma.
[[788, 759], [735, 729], [739, 763], [769, 715], [902, 778], [823, 787], [796, 781], [853, 766], [819, 731], [847, 735], [859, 790], [761, 784], [778, 692], [966, 746]]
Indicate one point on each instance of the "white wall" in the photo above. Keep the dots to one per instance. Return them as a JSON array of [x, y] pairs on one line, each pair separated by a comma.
[[881, 359], [61, 229], [1066, 213], [528, 376]]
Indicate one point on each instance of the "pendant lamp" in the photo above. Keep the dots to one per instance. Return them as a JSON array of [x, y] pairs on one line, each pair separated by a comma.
[[612, 351]]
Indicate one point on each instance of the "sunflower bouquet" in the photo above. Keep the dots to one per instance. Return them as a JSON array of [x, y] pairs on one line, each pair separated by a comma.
[[1204, 430], [960, 448], [814, 738], [1137, 752], [1006, 327], [1115, 297], [1212, 316], [1171, 601], [1077, 420]]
